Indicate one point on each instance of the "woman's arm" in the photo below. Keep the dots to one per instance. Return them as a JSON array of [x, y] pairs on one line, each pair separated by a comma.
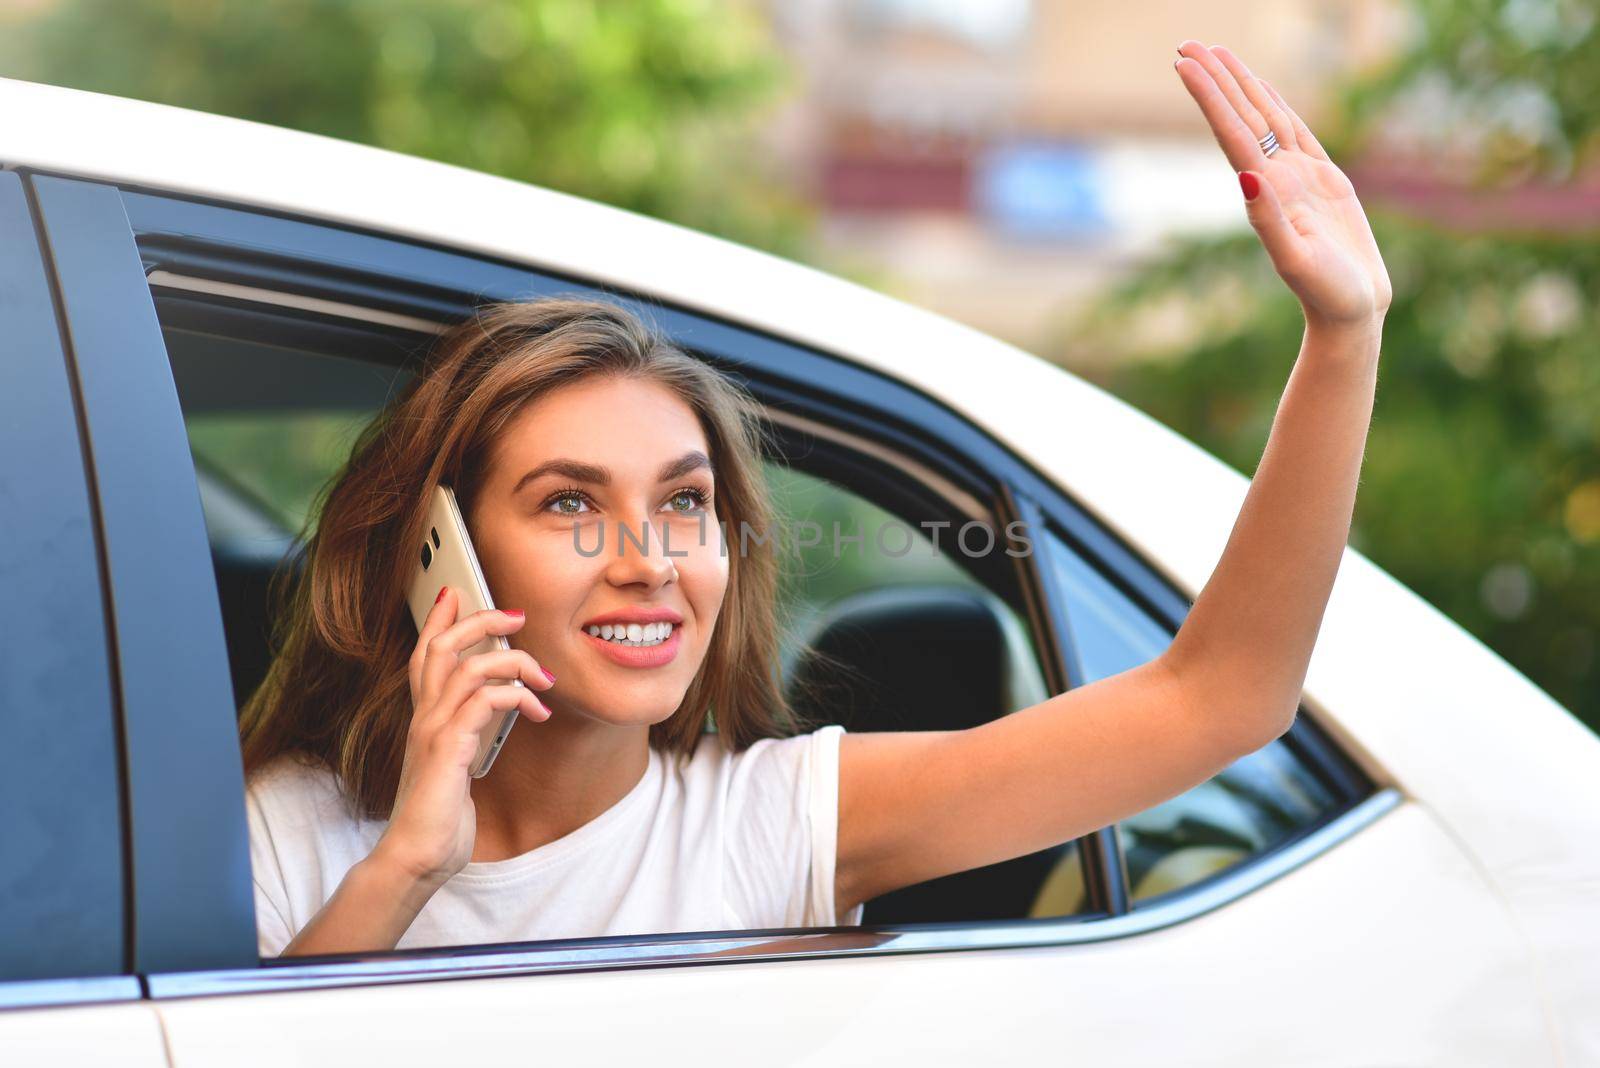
[[373, 907], [913, 806]]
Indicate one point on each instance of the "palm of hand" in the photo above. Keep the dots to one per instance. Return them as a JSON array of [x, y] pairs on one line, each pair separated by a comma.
[[1307, 215]]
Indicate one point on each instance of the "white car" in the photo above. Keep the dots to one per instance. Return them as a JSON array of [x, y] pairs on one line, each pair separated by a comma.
[[197, 312]]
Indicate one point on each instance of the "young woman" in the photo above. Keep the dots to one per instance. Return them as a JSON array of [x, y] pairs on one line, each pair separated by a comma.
[[566, 424]]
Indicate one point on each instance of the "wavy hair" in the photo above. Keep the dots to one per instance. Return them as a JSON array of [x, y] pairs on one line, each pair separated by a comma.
[[337, 689]]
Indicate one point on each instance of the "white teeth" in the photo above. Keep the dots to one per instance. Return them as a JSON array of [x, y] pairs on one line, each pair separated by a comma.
[[633, 634]]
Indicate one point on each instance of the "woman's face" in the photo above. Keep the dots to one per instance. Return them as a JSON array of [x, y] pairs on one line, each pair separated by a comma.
[[615, 463]]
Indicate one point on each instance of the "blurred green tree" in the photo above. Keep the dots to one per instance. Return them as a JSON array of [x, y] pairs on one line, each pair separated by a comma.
[[1481, 484], [648, 105]]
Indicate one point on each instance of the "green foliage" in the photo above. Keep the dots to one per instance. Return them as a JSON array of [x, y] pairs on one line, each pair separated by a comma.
[[647, 105], [1516, 82], [1480, 488], [1481, 483]]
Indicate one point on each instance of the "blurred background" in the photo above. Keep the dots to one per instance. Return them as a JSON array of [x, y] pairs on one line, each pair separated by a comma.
[[1036, 169]]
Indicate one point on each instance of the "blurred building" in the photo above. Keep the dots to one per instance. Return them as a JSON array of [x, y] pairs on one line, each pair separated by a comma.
[[997, 160]]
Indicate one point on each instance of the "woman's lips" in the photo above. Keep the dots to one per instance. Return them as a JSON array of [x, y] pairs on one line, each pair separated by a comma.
[[638, 656]]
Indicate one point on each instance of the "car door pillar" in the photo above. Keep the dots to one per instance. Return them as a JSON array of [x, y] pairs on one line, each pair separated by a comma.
[[185, 782]]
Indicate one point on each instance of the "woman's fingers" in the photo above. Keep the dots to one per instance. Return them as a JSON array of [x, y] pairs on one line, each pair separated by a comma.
[[442, 651], [1228, 86], [480, 670], [1238, 143], [1305, 140], [1265, 105], [1284, 245], [464, 727], [440, 616]]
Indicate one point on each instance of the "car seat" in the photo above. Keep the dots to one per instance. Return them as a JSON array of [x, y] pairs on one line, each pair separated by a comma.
[[925, 657]]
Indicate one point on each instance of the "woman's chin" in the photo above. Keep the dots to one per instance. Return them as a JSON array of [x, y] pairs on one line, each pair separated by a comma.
[[630, 714]]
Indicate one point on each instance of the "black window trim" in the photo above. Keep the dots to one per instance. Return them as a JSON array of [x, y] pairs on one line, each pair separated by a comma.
[[162, 594], [179, 233], [61, 644]]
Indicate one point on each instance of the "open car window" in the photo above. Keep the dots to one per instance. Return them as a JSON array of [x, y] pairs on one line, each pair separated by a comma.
[[884, 628], [1254, 804]]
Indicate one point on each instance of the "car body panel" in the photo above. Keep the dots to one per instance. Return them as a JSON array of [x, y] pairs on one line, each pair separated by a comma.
[[1266, 980], [92, 1036], [1416, 700]]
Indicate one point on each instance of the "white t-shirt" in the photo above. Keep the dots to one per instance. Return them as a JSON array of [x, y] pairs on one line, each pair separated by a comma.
[[713, 842]]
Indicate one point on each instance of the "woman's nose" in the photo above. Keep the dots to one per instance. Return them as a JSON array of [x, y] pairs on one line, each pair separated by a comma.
[[640, 555]]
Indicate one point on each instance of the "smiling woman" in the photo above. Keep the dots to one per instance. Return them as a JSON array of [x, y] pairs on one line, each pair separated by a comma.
[[595, 465]]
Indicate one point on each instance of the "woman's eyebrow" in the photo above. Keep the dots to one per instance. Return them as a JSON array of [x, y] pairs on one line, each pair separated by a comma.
[[596, 475]]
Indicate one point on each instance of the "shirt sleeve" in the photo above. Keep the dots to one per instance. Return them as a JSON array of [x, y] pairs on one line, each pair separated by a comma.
[[824, 820], [782, 817], [273, 931]]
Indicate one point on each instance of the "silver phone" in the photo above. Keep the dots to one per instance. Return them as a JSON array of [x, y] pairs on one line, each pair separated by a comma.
[[445, 557]]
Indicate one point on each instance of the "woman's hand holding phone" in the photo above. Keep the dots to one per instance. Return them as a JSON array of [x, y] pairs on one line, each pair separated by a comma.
[[434, 823]]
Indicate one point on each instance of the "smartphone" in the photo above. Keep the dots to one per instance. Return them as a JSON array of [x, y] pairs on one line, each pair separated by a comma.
[[445, 557]]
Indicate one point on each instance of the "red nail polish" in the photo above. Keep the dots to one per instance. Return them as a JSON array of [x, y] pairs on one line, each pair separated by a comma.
[[515, 612], [439, 598], [1250, 184], [551, 675]]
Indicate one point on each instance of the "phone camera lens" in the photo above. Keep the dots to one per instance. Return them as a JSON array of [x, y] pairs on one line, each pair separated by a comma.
[[435, 532], [427, 556]]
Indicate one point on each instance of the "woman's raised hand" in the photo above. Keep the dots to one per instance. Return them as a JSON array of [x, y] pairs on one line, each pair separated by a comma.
[[434, 823], [1306, 213]]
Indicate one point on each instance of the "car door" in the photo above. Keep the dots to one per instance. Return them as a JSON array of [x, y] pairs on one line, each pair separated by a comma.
[[1291, 922], [67, 992], [1260, 940]]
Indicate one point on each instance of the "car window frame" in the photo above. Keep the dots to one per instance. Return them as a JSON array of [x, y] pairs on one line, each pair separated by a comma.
[[275, 256], [70, 945], [1306, 742], [161, 591]]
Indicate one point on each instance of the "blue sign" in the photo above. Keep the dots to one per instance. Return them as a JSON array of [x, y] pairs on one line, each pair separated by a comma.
[[1040, 190]]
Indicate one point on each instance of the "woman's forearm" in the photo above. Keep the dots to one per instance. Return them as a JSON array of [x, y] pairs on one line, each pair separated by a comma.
[[373, 907], [1243, 651]]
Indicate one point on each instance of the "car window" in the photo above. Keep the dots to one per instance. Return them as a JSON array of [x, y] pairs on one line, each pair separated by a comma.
[[1245, 809], [891, 632], [266, 442], [278, 459], [847, 546]]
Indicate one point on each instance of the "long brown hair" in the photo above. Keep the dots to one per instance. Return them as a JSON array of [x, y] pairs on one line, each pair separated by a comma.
[[337, 690]]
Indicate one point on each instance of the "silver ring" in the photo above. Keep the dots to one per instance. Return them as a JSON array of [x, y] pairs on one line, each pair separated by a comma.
[[1269, 143]]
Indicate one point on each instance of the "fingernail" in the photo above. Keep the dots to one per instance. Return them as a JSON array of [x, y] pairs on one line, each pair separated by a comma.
[[513, 612], [439, 598], [551, 675], [1249, 184]]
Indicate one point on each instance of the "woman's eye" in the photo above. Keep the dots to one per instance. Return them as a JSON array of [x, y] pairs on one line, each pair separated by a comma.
[[695, 497], [572, 502], [566, 496]]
